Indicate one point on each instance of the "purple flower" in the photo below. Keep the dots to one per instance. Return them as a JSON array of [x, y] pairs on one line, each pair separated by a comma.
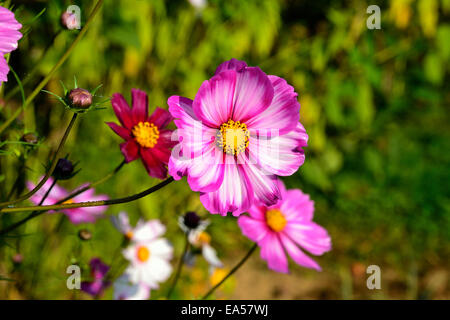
[[284, 227], [75, 215], [240, 132], [9, 35], [98, 283]]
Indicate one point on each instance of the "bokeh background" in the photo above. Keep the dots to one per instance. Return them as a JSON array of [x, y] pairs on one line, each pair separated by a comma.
[[375, 104]]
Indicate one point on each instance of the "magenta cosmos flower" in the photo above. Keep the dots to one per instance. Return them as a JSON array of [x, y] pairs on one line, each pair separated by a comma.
[[145, 136], [98, 283], [284, 227], [240, 132], [9, 35], [75, 215]]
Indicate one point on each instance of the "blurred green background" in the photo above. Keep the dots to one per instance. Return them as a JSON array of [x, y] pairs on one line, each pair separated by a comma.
[[374, 103]]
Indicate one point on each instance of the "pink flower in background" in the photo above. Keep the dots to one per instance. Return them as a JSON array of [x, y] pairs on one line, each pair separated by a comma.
[[98, 283], [240, 132], [286, 226], [76, 215], [9, 35], [145, 136]]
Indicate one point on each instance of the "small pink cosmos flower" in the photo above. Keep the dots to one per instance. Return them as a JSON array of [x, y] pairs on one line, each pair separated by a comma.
[[75, 215], [149, 255], [9, 35], [240, 132], [286, 226], [98, 283], [145, 136]]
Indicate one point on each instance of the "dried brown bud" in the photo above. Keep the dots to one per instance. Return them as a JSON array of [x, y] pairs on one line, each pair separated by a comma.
[[84, 234]]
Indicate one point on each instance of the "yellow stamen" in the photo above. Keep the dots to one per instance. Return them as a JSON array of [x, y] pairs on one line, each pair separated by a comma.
[[143, 254], [233, 137], [275, 220], [129, 235], [70, 201], [146, 134], [204, 238]]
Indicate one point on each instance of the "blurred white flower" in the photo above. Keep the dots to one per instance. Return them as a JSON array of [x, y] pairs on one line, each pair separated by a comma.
[[124, 289]]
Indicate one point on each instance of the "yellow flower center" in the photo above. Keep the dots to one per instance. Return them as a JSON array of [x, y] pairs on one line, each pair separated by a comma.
[[275, 220], [232, 137], [146, 134], [143, 254], [217, 276], [204, 238], [70, 201], [129, 235]]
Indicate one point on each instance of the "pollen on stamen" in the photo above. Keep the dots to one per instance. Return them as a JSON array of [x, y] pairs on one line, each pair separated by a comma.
[[146, 134], [233, 137]]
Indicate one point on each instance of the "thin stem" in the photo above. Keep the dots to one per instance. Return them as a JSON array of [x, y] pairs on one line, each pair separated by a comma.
[[70, 196], [91, 203], [52, 167], [61, 60], [236, 267], [179, 267]]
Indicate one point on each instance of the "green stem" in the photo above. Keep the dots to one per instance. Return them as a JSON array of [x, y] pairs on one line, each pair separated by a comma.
[[236, 267], [179, 267], [90, 203], [70, 196], [50, 171], [44, 81]]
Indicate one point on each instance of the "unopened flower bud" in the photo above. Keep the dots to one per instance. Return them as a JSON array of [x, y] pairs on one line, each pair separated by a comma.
[[79, 98], [191, 220], [70, 21], [84, 234], [64, 169], [30, 138]]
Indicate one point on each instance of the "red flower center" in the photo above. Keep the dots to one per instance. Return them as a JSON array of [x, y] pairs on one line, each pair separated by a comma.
[[146, 134], [233, 137]]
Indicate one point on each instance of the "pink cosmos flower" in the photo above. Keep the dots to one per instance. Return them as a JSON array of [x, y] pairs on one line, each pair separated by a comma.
[[76, 215], [284, 227], [98, 283], [240, 132], [9, 35], [145, 136]]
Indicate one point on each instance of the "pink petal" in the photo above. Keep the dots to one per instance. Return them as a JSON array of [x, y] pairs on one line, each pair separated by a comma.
[[213, 104], [232, 64], [264, 184], [160, 118], [235, 195], [297, 255], [4, 69], [8, 31], [273, 253], [139, 101], [253, 229], [309, 236], [297, 206], [280, 155], [257, 212], [122, 110], [253, 94], [283, 113], [206, 172], [57, 193], [120, 131], [130, 150]]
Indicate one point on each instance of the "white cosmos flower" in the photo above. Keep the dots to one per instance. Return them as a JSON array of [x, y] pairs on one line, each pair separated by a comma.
[[143, 231], [149, 255], [201, 239], [125, 290]]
